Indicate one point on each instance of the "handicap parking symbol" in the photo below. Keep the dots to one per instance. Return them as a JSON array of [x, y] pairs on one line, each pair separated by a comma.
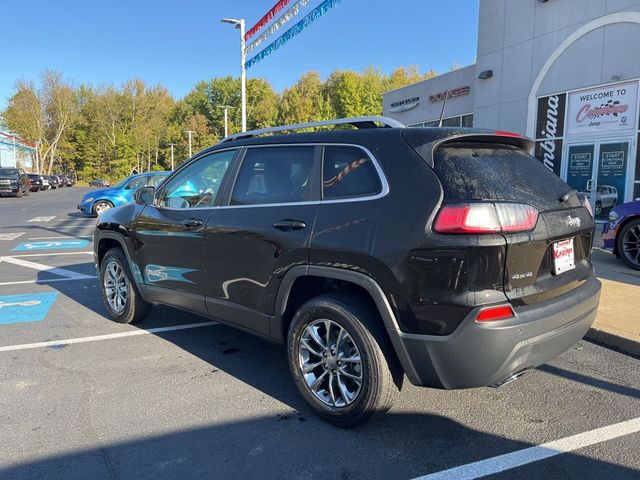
[[51, 245], [30, 307]]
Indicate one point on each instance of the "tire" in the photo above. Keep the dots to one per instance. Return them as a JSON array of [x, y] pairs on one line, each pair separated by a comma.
[[379, 372], [629, 238], [100, 206], [134, 308]]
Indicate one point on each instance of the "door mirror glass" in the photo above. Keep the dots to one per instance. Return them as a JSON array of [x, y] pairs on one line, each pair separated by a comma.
[[144, 195]]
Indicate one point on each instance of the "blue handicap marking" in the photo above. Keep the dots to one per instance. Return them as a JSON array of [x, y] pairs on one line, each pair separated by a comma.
[[51, 245], [29, 307]]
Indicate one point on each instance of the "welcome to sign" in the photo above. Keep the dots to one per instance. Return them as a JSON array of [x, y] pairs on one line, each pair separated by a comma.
[[604, 109]]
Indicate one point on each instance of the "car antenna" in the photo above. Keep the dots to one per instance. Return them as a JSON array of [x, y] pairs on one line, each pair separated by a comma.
[[444, 104]]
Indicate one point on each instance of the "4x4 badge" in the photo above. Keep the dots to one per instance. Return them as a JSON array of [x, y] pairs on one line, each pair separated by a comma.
[[573, 221]]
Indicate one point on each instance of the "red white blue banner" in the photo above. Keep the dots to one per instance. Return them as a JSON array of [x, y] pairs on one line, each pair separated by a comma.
[[277, 25], [266, 19], [314, 15]]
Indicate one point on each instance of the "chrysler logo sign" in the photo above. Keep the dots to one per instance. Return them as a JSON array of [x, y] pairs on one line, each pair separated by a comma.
[[404, 105]]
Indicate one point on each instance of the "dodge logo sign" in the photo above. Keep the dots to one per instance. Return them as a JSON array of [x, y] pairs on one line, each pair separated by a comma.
[[454, 92]]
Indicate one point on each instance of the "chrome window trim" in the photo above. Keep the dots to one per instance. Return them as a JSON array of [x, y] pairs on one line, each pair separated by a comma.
[[365, 198]]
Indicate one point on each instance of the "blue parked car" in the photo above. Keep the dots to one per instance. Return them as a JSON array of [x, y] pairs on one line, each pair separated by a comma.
[[621, 234], [98, 201]]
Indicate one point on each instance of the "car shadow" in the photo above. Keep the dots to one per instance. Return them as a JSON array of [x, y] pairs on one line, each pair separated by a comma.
[[398, 446], [296, 444]]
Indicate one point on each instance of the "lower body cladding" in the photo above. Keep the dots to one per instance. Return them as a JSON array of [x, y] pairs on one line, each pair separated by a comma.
[[481, 354]]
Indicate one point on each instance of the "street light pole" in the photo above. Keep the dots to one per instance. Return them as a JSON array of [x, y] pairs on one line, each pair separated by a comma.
[[189, 132], [239, 24], [226, 117], [171, 145]]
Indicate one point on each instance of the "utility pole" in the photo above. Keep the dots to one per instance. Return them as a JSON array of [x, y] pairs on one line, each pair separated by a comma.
[[189, 132], [239, 24], [171, 145], [226, 117]]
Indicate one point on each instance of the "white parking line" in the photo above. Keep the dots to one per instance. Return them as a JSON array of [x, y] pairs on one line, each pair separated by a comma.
[[50, 280], [519, 458], [42, 219], [60, 236], [49, 254], [10, 236], [45, 268], [109, 336]]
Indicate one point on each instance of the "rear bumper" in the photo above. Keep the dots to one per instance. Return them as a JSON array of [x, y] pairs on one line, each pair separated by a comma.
[[482, 354]]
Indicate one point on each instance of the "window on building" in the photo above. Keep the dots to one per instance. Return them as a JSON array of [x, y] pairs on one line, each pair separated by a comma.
[[465, 121], [348, 172]]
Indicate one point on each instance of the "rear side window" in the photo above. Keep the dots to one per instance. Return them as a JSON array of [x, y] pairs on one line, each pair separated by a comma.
[[496, 172], [348, 172], [274, 175]]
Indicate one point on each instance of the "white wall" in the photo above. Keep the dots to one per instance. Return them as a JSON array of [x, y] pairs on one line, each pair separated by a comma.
[[516, 37], [427, 110]]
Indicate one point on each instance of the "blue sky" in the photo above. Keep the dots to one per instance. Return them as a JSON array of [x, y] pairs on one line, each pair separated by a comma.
[[179, 43]]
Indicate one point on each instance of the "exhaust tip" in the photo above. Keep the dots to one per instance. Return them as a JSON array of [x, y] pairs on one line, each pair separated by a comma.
[[511, 378]]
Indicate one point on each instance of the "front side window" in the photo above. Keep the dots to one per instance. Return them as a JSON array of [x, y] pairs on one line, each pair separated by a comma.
[[137, 183], [197, 186], [274, 175], [348, 172]]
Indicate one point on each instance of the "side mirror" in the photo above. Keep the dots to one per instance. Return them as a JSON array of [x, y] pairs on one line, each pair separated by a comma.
[[145, 195]]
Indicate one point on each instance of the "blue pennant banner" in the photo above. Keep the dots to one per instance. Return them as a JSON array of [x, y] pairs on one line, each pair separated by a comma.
[[314, 15]]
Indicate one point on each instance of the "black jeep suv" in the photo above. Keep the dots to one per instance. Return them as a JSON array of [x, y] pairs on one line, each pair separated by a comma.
[[451, 256]]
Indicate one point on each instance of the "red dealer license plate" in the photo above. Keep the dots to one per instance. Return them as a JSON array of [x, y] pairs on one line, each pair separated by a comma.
[[563, 256]]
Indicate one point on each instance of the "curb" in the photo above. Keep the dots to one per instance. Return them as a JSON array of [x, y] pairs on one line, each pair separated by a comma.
[[623, 344]]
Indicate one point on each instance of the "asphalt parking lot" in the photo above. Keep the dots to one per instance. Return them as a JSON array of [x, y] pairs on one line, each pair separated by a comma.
[[181, 396]]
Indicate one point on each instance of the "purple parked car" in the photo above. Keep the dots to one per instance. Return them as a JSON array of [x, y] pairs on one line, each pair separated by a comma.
[[621, 233]]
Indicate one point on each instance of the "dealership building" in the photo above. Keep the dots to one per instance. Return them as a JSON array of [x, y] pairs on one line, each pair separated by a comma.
[[564, 72]]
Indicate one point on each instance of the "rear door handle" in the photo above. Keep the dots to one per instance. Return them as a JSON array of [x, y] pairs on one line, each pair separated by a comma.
[[193, 223], [289, 225]]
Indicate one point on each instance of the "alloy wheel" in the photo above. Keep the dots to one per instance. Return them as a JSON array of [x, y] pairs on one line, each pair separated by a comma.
[[102, 207], [115, 286], [330, 363], [631, 244]]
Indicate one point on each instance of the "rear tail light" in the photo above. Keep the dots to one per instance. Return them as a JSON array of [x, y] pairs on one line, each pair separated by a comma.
[[587, 204], [501, 133], [485, 217], [493, 314]]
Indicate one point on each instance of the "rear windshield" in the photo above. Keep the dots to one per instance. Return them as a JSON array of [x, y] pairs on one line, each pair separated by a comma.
[[8, 171], [498, 172]]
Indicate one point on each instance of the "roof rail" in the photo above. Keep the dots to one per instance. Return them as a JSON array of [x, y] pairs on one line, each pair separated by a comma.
[[358, 122]]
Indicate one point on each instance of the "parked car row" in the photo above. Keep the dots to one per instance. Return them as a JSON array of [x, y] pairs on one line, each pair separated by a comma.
[[16, 182]]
